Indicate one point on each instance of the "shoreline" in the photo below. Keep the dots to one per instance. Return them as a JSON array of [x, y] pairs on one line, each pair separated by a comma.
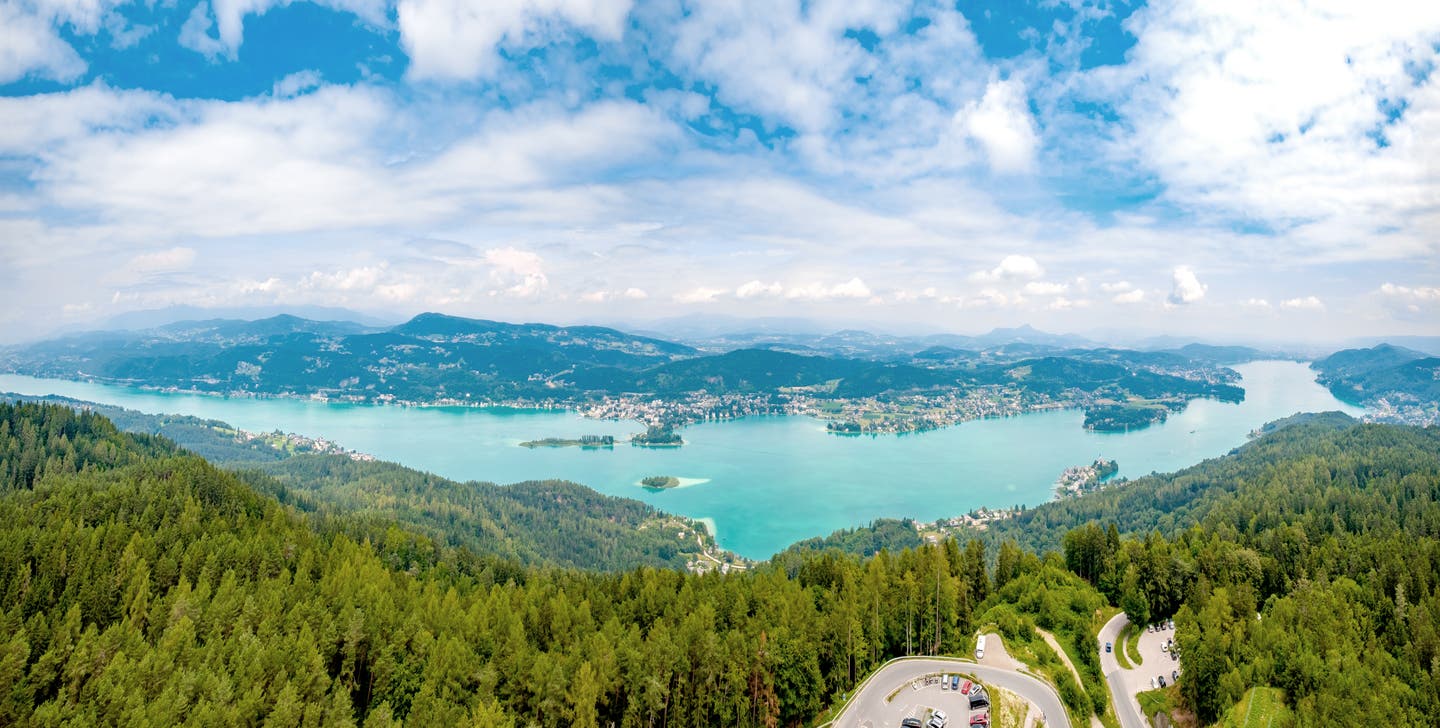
[[938, 419]]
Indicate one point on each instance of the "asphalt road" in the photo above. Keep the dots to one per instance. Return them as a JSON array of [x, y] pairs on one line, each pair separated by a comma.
[[1118, 679], [869, 709]]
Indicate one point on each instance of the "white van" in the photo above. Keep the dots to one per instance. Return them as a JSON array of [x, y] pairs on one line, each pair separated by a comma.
[[980, 648]]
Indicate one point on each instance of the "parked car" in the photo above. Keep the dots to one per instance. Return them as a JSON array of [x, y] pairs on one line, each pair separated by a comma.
[[1152, 683], [965, 687], [1162, 681], [955, 682], [1107, 646], [938, 719], [1170, 624], [1174, 675], [980, 648], [978, 701], [980, 719], [911, 723], [944, 682]]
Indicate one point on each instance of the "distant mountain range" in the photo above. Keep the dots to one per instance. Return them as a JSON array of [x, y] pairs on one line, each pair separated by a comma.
[[435, 357]]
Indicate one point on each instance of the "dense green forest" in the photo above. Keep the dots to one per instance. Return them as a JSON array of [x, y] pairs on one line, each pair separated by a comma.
[[536, 522], [139, 583], [540, 522]]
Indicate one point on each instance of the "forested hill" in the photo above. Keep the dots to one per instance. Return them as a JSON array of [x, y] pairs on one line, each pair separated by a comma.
[[1397, 384], [151, 588], [142, 585], [1171, 502], [549, 522]]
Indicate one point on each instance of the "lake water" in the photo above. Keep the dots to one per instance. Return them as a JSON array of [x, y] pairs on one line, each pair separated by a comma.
[[767, 481]]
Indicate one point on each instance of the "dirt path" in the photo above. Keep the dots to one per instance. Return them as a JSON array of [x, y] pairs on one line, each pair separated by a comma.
[[1065, 658]]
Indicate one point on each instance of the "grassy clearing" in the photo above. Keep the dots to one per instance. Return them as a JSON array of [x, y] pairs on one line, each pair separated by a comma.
[[1259, 708], [1119, 647], [1131, 641]]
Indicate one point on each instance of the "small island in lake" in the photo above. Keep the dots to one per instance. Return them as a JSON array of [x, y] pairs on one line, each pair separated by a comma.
[[660, 482], [587, 441], [1128, 416], [657, 436]]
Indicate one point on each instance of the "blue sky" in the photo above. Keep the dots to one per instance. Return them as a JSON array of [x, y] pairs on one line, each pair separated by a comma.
[[1208, 168]]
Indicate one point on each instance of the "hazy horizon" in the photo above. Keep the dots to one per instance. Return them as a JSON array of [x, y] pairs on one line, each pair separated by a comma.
[[700, 327]]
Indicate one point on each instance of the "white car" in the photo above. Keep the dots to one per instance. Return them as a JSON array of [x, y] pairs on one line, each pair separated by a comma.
[[1152, 684], [938, 719]]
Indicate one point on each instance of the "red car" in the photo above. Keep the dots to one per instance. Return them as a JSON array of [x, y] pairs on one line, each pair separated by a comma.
[[965, 688], [980, 719]]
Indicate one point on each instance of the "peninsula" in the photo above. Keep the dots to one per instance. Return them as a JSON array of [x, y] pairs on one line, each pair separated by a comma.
[[1085, 478]]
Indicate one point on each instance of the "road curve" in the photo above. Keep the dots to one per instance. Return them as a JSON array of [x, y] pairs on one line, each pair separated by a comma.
[[1125, 705], [870, 701]]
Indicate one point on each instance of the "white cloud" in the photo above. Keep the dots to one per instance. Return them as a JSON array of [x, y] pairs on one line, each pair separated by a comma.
[[148, 265], [458, 39], [1306, 303], [699, 295], [297, 83], [31, 46], [519, 272], [853, 288], [756, 289], [1011, 267], [629, 294], [173, 259], [1002, 123], [1045, 288], [1133, 296], [1416, 293], [990, 298], [1314, 118], [1116, 287], [1259, 303], [1187, 288]]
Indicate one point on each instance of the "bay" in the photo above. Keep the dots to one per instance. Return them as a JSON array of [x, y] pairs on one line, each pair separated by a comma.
[[764, 482]]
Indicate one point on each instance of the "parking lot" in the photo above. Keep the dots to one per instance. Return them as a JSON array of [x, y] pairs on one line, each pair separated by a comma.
[[912, 703], [1156, 661]]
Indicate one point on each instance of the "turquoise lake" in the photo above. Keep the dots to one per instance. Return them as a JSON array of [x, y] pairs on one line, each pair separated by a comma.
[[764, 482]]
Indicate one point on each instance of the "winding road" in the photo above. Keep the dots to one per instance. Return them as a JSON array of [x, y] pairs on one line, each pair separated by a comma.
[[870, 704], [1115, 677]]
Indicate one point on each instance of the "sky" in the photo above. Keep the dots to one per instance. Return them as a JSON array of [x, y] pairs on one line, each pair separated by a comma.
[[1209, 168]]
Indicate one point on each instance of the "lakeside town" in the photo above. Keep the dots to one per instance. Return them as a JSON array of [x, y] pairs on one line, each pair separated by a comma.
[[293, 443], [977, 519]]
